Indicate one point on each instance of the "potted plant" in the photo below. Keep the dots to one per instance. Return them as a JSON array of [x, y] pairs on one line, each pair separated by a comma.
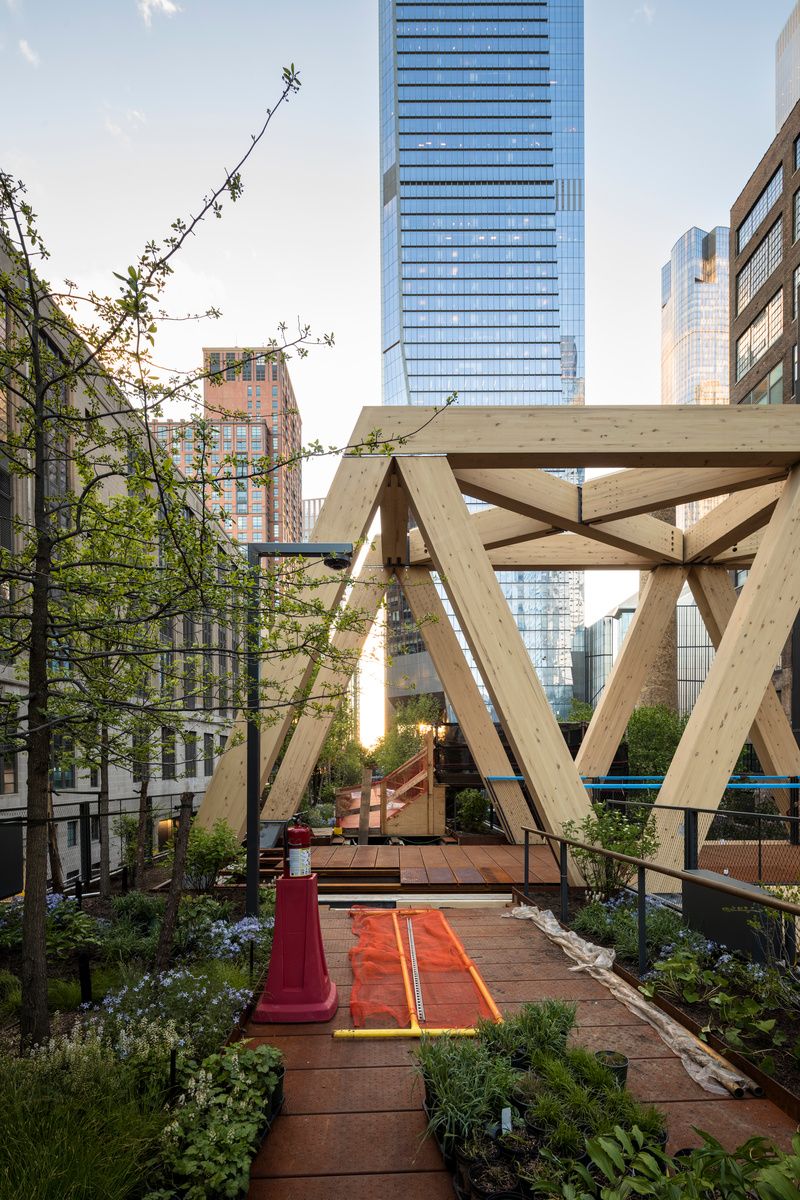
[[477, 1148], [519, 1142], [616, 1062], [490, 1181], [527, 1089]]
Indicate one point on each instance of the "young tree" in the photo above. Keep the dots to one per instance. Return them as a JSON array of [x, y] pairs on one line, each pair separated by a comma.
[[406, 733]]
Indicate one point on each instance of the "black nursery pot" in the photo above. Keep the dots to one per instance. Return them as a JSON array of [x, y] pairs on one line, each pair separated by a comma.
[[478, 1191], [520, 1060], [615, 1062], [276, 1099]]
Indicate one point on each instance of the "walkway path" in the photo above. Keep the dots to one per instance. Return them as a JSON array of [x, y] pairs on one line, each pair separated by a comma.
[[352, 1127], [483, 867]]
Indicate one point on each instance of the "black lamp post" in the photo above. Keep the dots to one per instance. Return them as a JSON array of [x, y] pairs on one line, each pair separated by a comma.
[[338, 556]]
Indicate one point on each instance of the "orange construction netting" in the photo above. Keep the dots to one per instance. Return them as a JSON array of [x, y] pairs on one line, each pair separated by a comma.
[[449, 993]]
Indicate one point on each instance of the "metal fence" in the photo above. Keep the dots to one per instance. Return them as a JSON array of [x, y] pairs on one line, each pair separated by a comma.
[[76, 831], [755, 843]]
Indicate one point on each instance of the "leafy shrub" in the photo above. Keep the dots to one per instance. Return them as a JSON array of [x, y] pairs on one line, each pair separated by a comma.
[[10, 993], [70, 930], [11, 925], [126, 827], [139, 909], [472, 810], [320, 814], [616, 921], [209, 852], [208, 1146], [632, 833]]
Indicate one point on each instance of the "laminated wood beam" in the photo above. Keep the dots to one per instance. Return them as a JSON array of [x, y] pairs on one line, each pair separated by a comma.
[[328, 688], [462, 691], [771, 733], [345, 517], [394, 522], [626, 493], [568, 552], [635, 660], [573, 436], [742, 554], [494, 526], [554, 500], [730, 522], [497, 647], [742, 668]]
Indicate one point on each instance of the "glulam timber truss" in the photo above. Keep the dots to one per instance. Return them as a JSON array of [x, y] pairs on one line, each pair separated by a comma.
[[429, 461]]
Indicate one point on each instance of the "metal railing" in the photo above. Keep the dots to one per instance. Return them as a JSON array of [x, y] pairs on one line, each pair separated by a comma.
[[642, 867]]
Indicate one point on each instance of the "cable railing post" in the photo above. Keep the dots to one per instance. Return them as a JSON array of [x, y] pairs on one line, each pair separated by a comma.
[[85, 829], [794, 823], [690, 839], [641, 907], [526, 865], [758, 835], [564, 882]]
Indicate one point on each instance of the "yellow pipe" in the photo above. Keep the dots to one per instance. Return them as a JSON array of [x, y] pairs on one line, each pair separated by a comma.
[[403, 1033], [473, 970], [409, 991]]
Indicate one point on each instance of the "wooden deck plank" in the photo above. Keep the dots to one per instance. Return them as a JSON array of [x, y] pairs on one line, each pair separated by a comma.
[[388, 858], [342, 856], [413, 877], [321, 856], [496, 875], [468, 875], [365, 857]]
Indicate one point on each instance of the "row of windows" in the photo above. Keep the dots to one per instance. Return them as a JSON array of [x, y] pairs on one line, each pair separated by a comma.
[[539, 342], [526, 60], [518, 238], [480, 287], [496, 195], [494, 25], [490, 254], [485, 220], [494, 319], [487, 43], [477, 158], [454, 338], [487, 109], [759, 266], [759, 210], [466, 304], [443, 176], [445, 205], [481, 270], [410, 93], [760, 335], [476, 141]]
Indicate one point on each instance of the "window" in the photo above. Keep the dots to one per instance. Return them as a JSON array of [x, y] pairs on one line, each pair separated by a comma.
[[95, 827], [274, 372], [9, 780], [140, 756], [220, 743], [768, 390], [760, 335], [274, 389], [3, 397], [261, 368], [208, 754], [62, 771], [760, 209], [759, 266], [247, 372], [190, 754], [230, 370], [796, 153], [72, 834], [796, 218], [213, 361], [6, 513], [250, 391], [258, 391], [167, 753], [94, 778]]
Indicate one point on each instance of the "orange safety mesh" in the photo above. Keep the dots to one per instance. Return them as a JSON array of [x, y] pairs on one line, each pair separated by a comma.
[[449, 993]]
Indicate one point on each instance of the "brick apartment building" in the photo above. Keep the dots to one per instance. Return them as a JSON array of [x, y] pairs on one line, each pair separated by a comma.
[[764, 278], [253, 413]]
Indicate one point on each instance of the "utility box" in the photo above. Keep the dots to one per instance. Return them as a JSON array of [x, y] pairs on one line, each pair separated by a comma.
[[11, 859], [732, 921]]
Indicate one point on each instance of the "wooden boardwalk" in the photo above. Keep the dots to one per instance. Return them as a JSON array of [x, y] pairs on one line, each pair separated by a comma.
[[432, 868], [352, 1126]]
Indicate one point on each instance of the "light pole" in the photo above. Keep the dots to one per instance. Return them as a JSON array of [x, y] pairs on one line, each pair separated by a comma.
[[338, 556]]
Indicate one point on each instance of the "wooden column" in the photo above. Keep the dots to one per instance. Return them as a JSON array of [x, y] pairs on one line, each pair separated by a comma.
[[737, 681], [363, 812], [771, 733], [501, 657], [462, 691], [345, 517], [305, 743], [640, 648]]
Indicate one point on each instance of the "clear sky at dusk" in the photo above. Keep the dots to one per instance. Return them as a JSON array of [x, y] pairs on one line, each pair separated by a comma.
[[119, 115]]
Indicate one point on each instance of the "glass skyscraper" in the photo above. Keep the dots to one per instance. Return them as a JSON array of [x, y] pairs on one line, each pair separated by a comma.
[[483, 237]]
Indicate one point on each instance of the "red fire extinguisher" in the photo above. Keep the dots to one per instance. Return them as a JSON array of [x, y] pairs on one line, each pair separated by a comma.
[[298, 840]]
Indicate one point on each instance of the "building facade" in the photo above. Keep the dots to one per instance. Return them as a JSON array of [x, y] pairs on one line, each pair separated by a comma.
[[482, 230], [764, 279], [254, 385], [311, 510], [695, 330], [787, 68]]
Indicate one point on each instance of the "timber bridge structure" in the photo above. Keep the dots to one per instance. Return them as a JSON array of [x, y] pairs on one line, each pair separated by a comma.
[[424, 462]]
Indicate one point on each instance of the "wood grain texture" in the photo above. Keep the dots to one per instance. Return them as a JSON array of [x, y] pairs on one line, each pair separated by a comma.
[[491, 632], [626, 493], [731, 521]]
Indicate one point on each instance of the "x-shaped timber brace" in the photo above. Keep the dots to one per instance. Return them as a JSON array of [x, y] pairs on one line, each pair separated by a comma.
[[426, 461]]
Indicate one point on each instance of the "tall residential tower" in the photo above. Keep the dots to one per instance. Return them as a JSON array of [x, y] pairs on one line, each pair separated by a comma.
[[483, 240]]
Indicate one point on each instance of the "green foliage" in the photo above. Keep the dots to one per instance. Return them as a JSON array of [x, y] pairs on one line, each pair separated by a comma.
[[472, 810], [579, 710], [632, 832], [126, 827], [653, 734], [77, 1123], [618, 924], [320, 814], [70, 929], [10, 994], [218, 1124], [404, 738], [209, 853]]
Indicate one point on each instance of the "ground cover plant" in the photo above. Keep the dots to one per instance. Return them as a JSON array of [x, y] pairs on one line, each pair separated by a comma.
[[752, 1007], [573, 1133]]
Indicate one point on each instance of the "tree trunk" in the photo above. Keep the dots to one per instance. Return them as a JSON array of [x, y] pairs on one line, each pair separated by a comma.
[[141, 834], [164, 951], [56, 871], [102, 813], [34, 1015]]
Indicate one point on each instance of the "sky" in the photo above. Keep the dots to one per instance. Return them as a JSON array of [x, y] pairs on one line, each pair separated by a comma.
[[121, 114]]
